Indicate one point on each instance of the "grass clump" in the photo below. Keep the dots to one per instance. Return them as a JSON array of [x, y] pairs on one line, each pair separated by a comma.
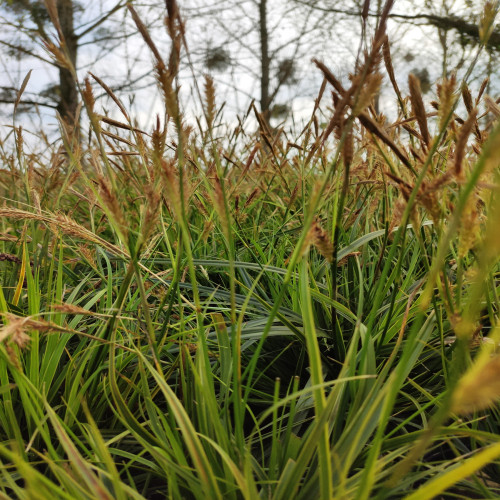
[[190, 315]]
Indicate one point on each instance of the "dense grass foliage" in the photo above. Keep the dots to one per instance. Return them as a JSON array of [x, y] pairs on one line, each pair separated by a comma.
[[198, 312]]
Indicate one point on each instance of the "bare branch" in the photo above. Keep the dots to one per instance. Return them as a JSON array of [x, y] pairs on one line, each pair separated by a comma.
[[26, 51], [101, 20], [29, 103]]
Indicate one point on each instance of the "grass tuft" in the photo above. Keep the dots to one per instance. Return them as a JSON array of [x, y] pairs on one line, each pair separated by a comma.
[[215, 313]]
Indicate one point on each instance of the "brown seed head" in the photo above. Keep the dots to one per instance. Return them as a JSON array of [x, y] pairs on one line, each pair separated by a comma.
[[479, 388], [447, 96], [417, 104]]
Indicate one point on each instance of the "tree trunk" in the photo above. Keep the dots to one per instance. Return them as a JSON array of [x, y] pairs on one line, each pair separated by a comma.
[[68, 101], [264, 60]]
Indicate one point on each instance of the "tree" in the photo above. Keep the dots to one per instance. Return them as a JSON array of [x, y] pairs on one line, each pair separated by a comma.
[[68, 101], [454, 25], [270, 44], [27, 22], [252, 44]]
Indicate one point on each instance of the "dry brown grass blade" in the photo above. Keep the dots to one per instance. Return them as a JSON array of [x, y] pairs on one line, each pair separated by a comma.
[[484, 84], [112, 95], [418, 107], [65, 224], [317, 101], [175, 28], [467, 98], [330, 77], [250, 159], [406, 188], [122, 153], [382, 23], [415, 153], [365, 10], [117, 138], [386, 52], [251, 197], [413, 132], [145, 34], [375, 129], [121, 125], [21, 90]]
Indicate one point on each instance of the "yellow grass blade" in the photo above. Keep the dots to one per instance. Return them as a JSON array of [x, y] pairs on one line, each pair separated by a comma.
[[453, 476], [20, 281]]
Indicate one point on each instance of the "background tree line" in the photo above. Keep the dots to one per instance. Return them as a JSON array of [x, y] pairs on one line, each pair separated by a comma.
[[254, 49]]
